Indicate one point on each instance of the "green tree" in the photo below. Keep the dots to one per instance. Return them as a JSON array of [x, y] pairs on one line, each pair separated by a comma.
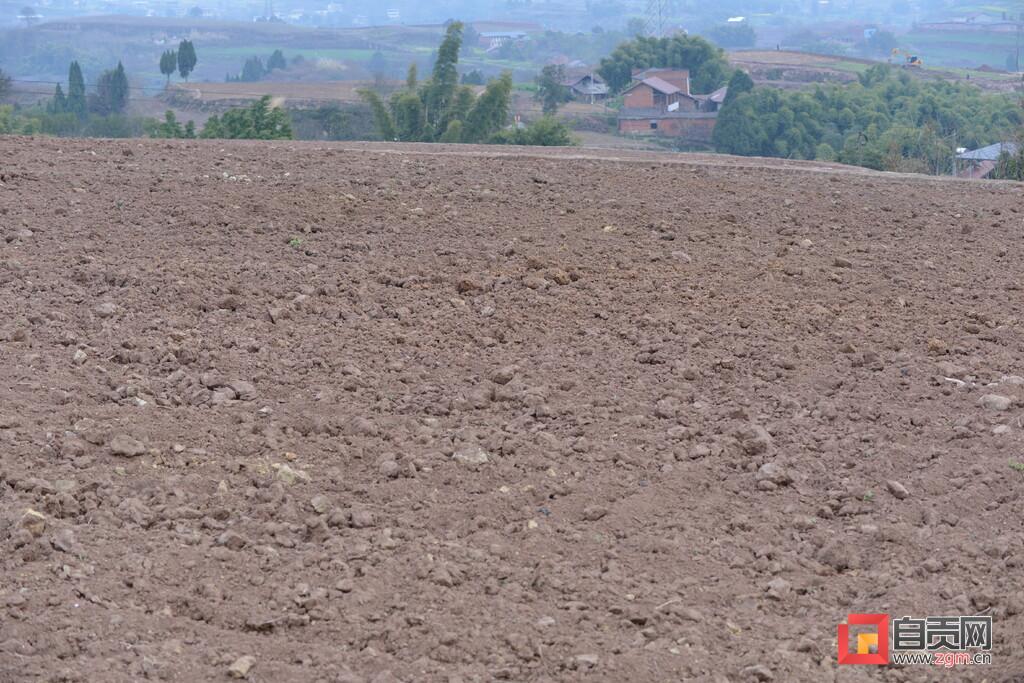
[[76, 91], [411, 78], [381, 116], [187, 58], [453, 133], [410, 119], [736, 130], [474, 77], [276, 61], [111, 92], [551, 89], [1010, 166], [880, 43], [874, 75], [168, 64], [59, 124], [253, 70], [259, 121], [490, 111], [5, 84], [545, 132], [881, 122], [10, 123], [739, 83], [172, 128], [113, 126], [437, 93], [705, 62], [59, 103], [465, 97], [824, 152], [440, 109]]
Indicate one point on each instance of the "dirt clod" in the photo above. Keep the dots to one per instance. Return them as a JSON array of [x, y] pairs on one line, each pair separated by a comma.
[[34, 522], [126, 446], [241, 667]]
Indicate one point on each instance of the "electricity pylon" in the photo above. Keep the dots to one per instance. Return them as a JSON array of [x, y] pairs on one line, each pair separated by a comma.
[[657, 17]]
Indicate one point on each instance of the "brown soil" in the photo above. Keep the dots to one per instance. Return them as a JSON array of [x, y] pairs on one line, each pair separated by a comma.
[[384, 413]]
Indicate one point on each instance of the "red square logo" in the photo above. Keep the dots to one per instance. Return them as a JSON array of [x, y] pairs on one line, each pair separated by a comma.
[[865, 641]]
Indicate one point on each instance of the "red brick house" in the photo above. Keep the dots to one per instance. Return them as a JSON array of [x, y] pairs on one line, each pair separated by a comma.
[[657, 93], [659, 102]]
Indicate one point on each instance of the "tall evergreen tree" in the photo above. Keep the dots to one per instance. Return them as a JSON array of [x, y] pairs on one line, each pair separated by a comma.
[[168, 63], [120, 90], [186, 58], [253, 70], [276, 61], [111, 92], [439, 92], [76, 90], [59, 103]]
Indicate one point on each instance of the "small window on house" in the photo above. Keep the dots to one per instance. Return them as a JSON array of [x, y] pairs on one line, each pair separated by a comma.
[[654, 125]]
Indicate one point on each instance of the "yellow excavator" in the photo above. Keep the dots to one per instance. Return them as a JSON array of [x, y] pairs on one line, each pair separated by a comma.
[[909, 60]]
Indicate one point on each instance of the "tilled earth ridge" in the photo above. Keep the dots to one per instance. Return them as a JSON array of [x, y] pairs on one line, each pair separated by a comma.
[[295, 412]]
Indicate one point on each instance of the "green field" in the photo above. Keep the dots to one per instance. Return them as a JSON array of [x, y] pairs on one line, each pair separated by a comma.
[[264, 51], [961, 48]]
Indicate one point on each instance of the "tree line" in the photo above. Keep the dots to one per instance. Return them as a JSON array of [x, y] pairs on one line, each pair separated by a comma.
[[255, 69], [259, 121], [884, 121], [103, 112]]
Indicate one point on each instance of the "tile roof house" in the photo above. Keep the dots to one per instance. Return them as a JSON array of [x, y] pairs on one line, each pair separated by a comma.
[[586, 85], [979, 163], [659, 102]]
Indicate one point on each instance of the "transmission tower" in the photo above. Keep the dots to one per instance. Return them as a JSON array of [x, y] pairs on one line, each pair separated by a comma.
[[657, 17]]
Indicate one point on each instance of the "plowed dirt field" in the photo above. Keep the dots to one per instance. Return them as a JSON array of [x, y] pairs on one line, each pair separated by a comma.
[[300, 412]]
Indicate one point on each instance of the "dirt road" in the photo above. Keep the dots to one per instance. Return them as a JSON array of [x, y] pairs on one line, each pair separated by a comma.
[[300, 412]]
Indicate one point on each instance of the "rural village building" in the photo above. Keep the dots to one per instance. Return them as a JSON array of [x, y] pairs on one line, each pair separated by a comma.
[[586, 86], [659, 102], [979, 163], [492, 40]]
